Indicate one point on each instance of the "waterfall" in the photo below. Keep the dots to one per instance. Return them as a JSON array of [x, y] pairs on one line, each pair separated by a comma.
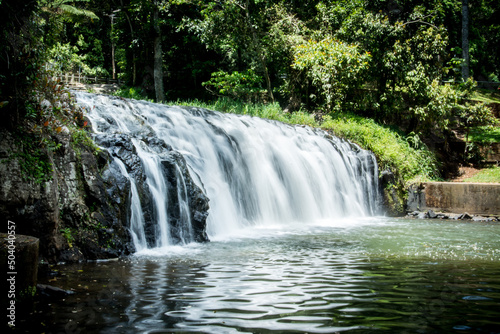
[[136, 214], [253, 171]]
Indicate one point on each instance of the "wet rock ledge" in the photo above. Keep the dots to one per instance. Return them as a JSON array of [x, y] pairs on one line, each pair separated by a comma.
[[56, 193], [71, 195], [430, 214]]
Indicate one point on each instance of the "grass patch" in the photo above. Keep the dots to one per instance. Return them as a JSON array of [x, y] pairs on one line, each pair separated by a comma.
[[271, 111], [487, 175], [81, 137], [485, 135], [132, 93], [486, 95], [408, 156]]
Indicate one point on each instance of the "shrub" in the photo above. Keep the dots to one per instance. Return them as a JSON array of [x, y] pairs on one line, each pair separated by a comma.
[[239, 85], [334, 68], [409, 157]]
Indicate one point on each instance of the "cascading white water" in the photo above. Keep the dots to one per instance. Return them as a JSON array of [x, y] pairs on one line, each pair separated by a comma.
[[136, 214], [158, 188], [254, 171]]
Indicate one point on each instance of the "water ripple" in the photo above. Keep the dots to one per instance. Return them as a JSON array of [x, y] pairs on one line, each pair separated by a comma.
[[294, 283]]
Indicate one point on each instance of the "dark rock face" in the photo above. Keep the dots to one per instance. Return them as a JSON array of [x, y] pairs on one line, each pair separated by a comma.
[[71, 212], [179, 178], [180, 187], [392, 194], [82, 210]]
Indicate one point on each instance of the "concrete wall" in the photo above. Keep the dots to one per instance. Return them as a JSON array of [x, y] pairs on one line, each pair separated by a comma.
[[473, 198]]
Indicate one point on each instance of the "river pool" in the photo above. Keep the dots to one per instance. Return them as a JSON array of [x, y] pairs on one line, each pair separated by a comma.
[[356, 275]]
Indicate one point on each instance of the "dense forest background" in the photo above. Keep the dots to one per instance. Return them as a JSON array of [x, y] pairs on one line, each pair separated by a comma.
[[404, 62], [397, 77]]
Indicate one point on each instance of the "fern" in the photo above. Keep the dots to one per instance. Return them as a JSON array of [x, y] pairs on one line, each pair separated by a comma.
[[66, 8]]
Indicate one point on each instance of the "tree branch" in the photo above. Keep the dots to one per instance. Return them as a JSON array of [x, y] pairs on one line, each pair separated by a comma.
[[420, 20]]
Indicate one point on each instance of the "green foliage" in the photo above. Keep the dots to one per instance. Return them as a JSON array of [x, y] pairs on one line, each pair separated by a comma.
[[223, 27], [51, 107], [68, 234], [32, 157], [402, 83], [487, 175], [80, 137], [485, 134], [473, 114], [20, 57], [65, 58], [409, 157], [29, 292], [132, 93], [302, 118], [437, 103], [238, 85], [486, 95], [66, 9], [226, 105], [270, 111], [334, 68]]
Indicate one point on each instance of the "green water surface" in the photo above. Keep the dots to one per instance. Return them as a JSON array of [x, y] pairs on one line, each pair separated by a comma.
[[360, 275]]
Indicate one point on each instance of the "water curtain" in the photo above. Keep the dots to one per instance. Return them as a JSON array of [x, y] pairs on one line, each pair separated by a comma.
[[252, 171]]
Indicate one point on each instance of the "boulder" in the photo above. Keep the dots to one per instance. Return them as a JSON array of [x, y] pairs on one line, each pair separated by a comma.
[[19, 259], [431, 214]]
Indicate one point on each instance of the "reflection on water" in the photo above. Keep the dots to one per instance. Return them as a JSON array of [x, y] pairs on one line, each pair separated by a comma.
[[378, 275]]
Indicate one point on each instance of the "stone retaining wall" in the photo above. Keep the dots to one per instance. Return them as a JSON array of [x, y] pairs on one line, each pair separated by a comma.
[[473, 198]]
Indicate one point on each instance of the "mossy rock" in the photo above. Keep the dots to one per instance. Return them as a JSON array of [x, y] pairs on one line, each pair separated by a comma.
[[20, 263]]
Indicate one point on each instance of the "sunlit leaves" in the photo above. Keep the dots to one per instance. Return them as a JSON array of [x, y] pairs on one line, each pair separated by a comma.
[[239, 85], [67, 8], [334, 67]]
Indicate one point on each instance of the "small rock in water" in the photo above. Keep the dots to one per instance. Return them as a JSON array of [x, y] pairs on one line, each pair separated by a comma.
[[431, 214], [52, 291], [465, 216]]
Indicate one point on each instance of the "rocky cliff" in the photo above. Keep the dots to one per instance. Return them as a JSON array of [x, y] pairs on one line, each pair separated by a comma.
[[56, 193], [68, 193]]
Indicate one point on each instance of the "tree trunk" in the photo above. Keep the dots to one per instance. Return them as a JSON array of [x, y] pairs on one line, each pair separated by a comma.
[[465, 39], [132, 35], [260, 53], [158, 55], [113, 63]]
